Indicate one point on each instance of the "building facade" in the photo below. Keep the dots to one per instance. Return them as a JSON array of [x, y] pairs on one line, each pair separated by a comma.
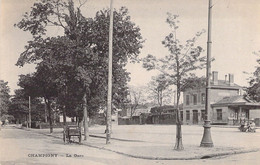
[[194, 100], [234, 110]]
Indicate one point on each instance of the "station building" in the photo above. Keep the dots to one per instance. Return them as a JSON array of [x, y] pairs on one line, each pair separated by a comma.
[[228, 106]]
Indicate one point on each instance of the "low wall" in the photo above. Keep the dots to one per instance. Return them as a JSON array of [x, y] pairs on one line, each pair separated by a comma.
[[148, 119], [47, 125]]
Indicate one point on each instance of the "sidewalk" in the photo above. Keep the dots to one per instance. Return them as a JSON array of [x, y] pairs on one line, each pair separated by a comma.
[[157, 142]]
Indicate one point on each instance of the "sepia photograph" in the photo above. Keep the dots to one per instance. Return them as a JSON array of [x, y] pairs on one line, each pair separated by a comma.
[[129, 82]]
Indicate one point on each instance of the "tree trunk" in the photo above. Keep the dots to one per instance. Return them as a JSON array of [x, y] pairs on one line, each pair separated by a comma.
[[158, 97], [64, 116], [77, 120], [48, 104], [178, 143], [161, 97], [45, 113], [54, 117], [85, 111]]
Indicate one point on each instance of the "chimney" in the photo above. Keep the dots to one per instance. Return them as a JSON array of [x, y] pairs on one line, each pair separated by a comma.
[[231, 79], [215, 77]]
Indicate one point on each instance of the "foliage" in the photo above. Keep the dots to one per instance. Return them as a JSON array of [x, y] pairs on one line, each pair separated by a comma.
[[161, 109], [194, 82], [183, 58], [159, 89], [19, 102], [253, 91], [136, 97], [4, 97], [177, 66], [7, 117], [76, 63], [20, 106]]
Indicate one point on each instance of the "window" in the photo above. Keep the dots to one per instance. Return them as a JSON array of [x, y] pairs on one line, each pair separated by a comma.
[[203, 98], [187, 115], [195, 99], [181, 115], [187, 100], [219, 114], [202, 114]]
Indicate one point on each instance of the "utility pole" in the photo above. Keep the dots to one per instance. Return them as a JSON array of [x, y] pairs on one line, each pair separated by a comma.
[[206, 140], [30, 117], [109, 94]]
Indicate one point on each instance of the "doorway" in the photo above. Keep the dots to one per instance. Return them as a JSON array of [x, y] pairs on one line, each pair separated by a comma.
[[195, 117]]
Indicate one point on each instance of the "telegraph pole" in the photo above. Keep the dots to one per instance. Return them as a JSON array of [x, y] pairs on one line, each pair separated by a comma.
[[30, 117], [206, 140], [109, 94]]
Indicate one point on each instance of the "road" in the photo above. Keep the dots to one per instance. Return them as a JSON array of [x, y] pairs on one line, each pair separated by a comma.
[[24, 147]]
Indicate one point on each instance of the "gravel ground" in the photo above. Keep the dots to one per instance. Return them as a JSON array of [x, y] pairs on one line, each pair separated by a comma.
[[17, 144], [157, 141]]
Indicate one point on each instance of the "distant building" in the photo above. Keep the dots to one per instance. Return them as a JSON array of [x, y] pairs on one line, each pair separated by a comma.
[[227, 104], [164, 114], [142, 108], [233, 110]]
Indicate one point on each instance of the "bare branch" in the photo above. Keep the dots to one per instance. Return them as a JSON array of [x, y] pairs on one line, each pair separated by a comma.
[[59, 17], [81, 4]]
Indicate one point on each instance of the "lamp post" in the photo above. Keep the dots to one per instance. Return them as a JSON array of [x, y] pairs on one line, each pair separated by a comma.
[[206, 140], [109, 94]]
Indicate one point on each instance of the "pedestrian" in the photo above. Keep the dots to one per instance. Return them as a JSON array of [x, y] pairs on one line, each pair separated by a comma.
[[251, 126]]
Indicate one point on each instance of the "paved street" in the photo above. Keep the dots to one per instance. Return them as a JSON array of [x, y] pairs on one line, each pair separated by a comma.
[[21, 147]]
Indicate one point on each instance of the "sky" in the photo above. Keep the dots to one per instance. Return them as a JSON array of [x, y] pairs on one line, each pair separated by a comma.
[[235, 33]]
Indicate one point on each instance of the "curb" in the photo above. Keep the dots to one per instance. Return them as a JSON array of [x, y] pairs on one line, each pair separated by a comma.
[[228, 126], [207, 156], [127, 140]]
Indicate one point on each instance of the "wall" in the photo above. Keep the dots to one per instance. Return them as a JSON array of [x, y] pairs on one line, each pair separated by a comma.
[[218, 94], [200, 120], [225, 115], [215, 96], [164, 119], [199, 106], [254, 113]]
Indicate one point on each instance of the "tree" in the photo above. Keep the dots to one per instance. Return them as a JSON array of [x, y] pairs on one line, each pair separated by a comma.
[[160, 91], [19, 107], [182, 60], [40, 84], [194, 82], [136, 97], [253, 91], [80, 56], [4, 98]]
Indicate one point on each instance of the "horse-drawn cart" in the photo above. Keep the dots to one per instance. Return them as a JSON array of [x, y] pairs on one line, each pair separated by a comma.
[[71, 131]]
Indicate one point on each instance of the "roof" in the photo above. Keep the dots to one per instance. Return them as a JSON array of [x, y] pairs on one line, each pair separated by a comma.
[[167, 107], [231, 99], [222, 84], [225, 84], [236, 101]]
